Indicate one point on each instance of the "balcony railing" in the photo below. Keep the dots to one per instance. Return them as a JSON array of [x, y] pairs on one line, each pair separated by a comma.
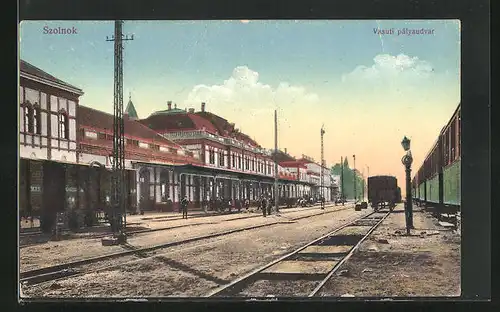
[[201, 134]]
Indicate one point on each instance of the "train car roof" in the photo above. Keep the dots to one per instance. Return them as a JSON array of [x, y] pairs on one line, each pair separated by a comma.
[[448, 125], [382, 176], [434, 145]]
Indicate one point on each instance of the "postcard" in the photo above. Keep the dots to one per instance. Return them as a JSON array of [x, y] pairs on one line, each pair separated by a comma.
[[239, 158]]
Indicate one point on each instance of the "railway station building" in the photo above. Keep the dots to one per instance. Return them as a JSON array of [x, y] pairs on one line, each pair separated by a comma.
[[47, 142], [66, 157]]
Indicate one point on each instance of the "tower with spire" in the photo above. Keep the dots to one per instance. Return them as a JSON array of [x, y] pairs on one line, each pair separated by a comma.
[[130, 110]]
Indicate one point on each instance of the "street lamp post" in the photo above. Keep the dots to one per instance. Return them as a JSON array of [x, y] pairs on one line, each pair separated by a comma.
[[407, 161]]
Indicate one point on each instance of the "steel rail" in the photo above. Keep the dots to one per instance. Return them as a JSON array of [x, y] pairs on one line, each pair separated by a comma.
[[174, 218], [46, 272], [351, 252], [259, 270]]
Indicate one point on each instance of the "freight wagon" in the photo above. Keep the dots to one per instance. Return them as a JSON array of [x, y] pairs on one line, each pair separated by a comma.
[[382, 191], [436, 183]]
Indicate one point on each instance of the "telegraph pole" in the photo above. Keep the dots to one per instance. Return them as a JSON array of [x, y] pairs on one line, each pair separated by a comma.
[[342, 179], [367, 176], [321, 172], [363, 184], [119, 213], [354, 171], [276, 201]]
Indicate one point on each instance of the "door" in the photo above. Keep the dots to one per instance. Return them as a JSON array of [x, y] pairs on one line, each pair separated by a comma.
[[54, 194], [144, 180]]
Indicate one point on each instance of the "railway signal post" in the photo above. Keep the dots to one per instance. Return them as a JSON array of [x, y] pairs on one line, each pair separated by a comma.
[[276, 189], [407, 161], [322, 171]]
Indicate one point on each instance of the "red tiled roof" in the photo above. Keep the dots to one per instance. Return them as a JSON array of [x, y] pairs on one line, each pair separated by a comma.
[[292, 163], [305, 161], [176, 122], [100, 120], [201, 123], [35, 71], [225, 128]]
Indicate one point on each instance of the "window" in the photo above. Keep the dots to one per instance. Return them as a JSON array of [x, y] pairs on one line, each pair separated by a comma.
[[211, 157], [28, 120], [234, 161], [37, 127], [132, 142], [239, 162], [221, 159], [154, 147], [63, 126], [101, 136], [459, 133], [165, 186], [453, 139]]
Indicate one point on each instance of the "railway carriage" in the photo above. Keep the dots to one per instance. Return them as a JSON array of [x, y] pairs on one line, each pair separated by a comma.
[[382, 191], [437, 181]]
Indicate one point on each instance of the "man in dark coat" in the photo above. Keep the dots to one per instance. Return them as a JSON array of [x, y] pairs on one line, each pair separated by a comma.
[[270, 204], [184, 205], [263, 205]]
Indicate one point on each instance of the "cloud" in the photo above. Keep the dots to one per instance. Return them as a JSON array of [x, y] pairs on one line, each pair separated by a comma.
[[243, 89], [402, 68]]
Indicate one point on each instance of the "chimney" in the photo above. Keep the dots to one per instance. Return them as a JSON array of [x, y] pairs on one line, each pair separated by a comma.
[[191, 110], [169, 103], [285, 151], [202, 106]]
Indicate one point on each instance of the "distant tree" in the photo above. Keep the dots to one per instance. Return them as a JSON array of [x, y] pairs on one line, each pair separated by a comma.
[[349, 180], [336, 169]]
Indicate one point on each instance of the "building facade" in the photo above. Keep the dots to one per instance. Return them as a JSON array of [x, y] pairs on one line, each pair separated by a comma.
[[47, 141], [65, 157]]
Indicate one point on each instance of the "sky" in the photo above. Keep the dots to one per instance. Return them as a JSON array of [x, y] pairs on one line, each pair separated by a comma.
[[368, 89]]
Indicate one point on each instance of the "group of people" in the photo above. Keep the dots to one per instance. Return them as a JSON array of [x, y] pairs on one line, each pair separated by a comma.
[[266, 203]]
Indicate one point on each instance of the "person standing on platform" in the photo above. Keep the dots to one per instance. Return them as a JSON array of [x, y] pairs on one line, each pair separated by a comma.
[[184, 205], [263, 205], [270, 204]]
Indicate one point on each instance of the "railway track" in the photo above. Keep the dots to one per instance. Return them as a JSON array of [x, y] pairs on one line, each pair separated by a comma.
[[306, 269], [166, 228], [84, 266]]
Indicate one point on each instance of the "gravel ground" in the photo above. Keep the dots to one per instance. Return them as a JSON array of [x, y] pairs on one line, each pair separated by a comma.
[[267, 288], [58, 252], [197, 268], [390, 264]]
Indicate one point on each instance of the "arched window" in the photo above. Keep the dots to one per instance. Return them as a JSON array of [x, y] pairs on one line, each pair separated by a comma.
[[37, 125], [63, 125], [28, 119]]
